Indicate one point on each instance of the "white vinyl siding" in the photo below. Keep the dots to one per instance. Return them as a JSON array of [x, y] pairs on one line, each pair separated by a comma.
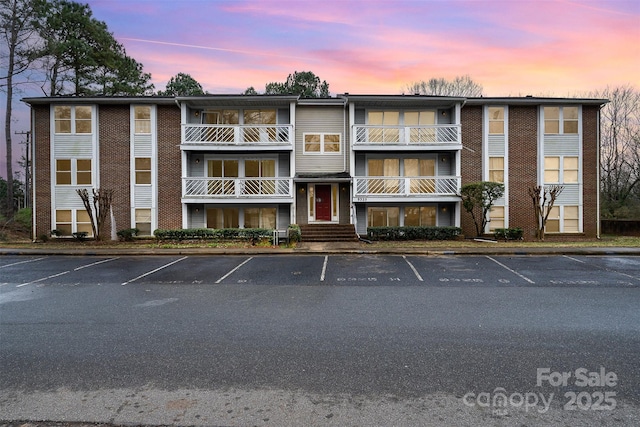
[[143, 167], [319, 120]]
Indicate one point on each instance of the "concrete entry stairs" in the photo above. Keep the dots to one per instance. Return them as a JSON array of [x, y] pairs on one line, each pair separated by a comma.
[[328, 233]]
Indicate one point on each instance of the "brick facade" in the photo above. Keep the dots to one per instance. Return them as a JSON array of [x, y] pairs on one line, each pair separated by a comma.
[[471, 158], [523, 174], [590, 166], [115, 164], [42, 169], [169, 168]]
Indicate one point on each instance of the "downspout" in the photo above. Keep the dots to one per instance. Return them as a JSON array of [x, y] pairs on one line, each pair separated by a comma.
[[598, 175]]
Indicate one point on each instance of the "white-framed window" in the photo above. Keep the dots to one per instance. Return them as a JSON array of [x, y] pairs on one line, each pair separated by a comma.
[[496, 169], [496, 217], [496, 120], [561, 120], [561, 170], [260, 218], [72, 119], [73, 172], [322, 143], [563, 219], [142, 119], [383, 216], [143, 221], [143, 170], [70, 221]]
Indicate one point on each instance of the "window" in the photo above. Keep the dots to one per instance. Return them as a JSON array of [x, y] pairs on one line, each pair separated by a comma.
[[63, 172], [384, 126], [222, 169], [260, 132], [66, 225], [72, 119], [142, 119], [222, 218], [322, 143], [260, 169], [143, 221], [560, 120], [496, 121], [496, 169], [553, 221], [83, 222], [420, 216], [73, 172], [384, 168], [220, 117], [64, 222], [143, 170], [568, 174], [496, 217], [418, 122], [383, 216], [571, 221], [417, 168], [552, 169], [260, 218]]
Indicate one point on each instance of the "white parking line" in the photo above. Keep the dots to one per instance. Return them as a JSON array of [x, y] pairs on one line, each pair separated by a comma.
[[324, 267], [574, 259], [40, 280], [95, 263], [413, 268], [153, 271], [513, 271], [21, 262], [232, 271]]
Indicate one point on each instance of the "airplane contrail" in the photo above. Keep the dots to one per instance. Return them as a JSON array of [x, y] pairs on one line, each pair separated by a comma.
[[193, 46]]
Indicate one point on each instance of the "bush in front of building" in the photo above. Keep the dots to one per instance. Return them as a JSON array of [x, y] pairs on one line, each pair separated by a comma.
[[413, 233], [127, 234], [249, 234], [294, 233], [513, 233]]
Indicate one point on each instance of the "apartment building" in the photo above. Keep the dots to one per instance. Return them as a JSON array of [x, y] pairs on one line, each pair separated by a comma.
[[268, 161]]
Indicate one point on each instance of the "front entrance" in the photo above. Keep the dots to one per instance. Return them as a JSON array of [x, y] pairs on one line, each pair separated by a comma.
[[323, 203]]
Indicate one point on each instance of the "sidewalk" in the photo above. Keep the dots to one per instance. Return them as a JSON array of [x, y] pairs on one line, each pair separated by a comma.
[[325, 248]]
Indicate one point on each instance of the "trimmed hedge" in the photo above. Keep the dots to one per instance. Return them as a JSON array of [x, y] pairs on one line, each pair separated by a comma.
[[252, 234], [513, 233], [413, 233]]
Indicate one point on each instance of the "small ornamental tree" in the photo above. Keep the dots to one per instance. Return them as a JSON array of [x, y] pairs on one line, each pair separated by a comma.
[[543, 198], [480, 196], [101, 200]]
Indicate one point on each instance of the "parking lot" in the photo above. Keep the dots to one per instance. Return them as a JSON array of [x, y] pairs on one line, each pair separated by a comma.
[[322, 270]]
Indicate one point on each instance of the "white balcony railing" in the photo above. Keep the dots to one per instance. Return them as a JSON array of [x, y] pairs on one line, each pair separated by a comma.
[[238, 134], [402, 186], [237, 188], [407, 135]]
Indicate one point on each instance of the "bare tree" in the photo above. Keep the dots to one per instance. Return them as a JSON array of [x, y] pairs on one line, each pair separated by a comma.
[[98, 207], [620, 151], [543, 198], [459, 86], [18, 35]]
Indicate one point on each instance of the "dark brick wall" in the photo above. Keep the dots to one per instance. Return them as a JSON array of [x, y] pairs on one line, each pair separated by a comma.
[[114, 146], [523, 160], [169, 168], [42, 169], [471, 158], [590, 165]]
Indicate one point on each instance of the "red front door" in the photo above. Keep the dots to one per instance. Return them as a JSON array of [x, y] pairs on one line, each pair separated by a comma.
[[323, 203]]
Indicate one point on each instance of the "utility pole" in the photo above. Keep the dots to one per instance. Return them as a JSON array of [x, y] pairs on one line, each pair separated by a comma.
[[27, 170]]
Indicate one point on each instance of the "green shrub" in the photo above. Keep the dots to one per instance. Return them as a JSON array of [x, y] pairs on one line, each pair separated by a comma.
[[413, 233], [294, 233], [80, 235], [56, 233], [249, 234], [127, 234], [513, 233]]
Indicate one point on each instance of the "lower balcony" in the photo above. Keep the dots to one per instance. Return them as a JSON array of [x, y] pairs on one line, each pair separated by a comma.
[[276, 190], [406, 188]]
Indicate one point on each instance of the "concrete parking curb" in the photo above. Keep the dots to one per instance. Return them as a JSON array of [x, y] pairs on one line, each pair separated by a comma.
[[323, 249]]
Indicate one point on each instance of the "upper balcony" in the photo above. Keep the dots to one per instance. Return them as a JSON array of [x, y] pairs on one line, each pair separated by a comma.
[[425, 137], [244, 137]]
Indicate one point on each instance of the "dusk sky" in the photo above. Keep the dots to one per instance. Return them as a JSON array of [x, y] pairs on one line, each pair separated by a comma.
[[518, 47]]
